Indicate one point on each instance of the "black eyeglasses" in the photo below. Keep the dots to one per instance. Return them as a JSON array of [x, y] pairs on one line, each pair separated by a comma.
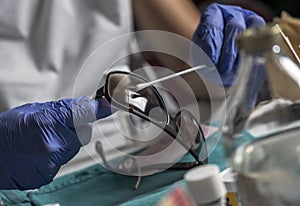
[[176, 130]]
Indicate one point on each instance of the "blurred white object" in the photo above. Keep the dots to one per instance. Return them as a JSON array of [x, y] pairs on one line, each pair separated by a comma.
[[272, 117], [205, 184], [228, 177], [1, 202], [269, 170]]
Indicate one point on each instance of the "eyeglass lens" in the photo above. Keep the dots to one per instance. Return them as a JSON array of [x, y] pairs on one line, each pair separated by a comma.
[[122, 90], [188, 129]]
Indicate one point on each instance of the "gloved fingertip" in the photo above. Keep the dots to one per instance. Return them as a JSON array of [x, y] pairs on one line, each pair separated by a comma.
[[255, 22], [103, 108]]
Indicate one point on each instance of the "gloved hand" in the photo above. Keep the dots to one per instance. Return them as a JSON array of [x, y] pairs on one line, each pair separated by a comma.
[[216, 34], [36, 139]]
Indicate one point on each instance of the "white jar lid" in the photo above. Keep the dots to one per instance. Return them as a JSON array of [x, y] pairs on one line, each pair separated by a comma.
[[228, 176], [205, 184]]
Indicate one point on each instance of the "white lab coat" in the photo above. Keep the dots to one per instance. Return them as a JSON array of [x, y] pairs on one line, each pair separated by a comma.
[[44, 44]]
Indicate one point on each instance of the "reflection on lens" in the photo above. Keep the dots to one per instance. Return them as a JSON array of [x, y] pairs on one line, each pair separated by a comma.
[[138, 123], [158, 114], [147, 102], [117, 87], [136, 101], [188, 129]]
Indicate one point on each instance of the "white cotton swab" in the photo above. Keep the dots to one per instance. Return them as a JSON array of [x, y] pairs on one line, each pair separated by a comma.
[[147, 84]]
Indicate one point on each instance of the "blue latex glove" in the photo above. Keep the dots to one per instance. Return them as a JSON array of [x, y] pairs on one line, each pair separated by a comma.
[[216, 36], [36, 139]]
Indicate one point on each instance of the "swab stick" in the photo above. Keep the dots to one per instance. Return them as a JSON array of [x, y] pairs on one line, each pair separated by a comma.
[[147, 84]]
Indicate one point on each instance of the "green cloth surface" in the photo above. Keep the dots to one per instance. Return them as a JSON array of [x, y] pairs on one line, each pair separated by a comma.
[[97, 186]]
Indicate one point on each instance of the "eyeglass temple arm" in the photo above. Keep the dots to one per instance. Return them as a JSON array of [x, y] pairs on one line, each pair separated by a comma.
[[99, 149]]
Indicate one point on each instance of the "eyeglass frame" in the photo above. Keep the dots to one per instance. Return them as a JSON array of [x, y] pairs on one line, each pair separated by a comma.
[[103, 92]]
